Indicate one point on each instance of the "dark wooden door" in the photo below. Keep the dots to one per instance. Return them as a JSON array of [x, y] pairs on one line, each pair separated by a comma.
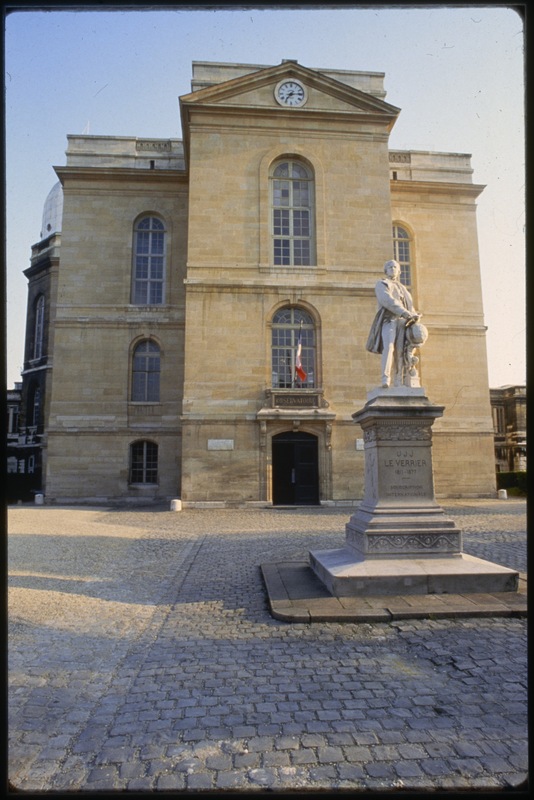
[[295, 469]]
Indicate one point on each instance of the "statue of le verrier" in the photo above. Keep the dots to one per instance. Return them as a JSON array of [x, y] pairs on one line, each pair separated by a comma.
[[396, 331]]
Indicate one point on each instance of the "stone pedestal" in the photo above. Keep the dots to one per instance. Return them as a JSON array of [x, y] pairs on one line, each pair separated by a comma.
[[399, 540]]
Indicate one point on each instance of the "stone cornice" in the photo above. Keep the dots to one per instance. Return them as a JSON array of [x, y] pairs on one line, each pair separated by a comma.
[[122, 174], [209, 285], [472, 190]]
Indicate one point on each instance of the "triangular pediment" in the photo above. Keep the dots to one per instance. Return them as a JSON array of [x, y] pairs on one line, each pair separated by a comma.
[[257, 90]]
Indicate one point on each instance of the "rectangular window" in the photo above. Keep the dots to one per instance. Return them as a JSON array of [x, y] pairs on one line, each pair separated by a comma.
[[144, 463], [301, 195], [301, 252], [282, 367], [301, 223], [281, 222], [281, 193], [156, 294], [282, 252]]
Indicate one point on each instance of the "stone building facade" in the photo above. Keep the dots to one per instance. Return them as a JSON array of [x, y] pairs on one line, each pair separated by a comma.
[[189, 275], [509, 410]]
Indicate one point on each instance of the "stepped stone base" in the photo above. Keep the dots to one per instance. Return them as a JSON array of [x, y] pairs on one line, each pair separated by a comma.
[[345, 576], [382, 532], [296, 594]]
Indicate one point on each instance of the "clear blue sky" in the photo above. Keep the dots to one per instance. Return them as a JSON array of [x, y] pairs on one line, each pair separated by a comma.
[[455, 71]]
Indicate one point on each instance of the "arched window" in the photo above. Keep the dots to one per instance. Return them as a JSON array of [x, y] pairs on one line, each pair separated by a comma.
[[35, 411], [293, 349], [143, 462], [292, 200], [401, 253], [146, 373], [149, 262], [38, 333]]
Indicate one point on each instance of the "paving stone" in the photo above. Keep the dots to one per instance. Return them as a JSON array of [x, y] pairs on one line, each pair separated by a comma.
[[377, 769], [351, 772], [303, 756], [263, 777], [200, 780], [277, 758], [408, 769], [327, 755], [435, 766], [324, 775], [172, 782], [231, 780], [286, 743], [242, 760]]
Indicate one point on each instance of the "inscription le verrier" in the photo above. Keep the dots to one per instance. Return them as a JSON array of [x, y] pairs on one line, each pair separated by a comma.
[[406, 474]]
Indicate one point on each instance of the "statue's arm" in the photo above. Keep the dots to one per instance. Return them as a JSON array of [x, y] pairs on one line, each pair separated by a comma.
[[385, 299]]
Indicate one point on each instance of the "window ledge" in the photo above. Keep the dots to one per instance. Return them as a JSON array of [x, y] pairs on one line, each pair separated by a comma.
[[285, 270], [147, 306]]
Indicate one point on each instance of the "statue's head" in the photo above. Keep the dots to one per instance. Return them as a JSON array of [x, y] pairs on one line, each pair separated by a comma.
[[392, 268]]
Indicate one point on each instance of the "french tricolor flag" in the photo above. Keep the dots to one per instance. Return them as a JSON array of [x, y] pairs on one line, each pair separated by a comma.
[[298, 362]]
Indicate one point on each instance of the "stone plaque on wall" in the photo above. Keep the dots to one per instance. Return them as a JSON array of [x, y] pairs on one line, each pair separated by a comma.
[[220, 444], [295, 400]]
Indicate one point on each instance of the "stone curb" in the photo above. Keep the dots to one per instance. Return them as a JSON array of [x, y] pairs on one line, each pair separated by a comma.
[[296, 595]]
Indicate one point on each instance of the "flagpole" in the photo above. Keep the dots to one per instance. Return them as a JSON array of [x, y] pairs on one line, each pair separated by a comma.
[[299, 371], [296, 354]]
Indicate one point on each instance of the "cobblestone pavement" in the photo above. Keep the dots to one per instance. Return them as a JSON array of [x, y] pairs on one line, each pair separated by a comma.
[[142, 657]]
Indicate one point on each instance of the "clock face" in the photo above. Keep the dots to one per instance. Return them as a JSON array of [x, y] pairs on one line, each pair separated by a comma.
[[290, 93]]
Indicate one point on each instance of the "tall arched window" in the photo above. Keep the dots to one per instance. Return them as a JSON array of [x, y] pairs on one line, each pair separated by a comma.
[[292, 200], [143, 462], [401, 253], [149, 262], [35, 411], [146, 366], [293, 349], [38, 333]]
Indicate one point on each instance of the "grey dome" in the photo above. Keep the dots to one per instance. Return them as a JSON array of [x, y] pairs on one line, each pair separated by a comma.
[[52, 211]]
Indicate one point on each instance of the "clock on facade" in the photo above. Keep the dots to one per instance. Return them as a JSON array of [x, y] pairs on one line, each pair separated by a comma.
[[290, 93]]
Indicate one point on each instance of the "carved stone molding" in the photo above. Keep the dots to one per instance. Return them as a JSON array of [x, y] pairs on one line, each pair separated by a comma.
[[400, 158], [263, 433], [388, 543], [405, 432], [156, 145]]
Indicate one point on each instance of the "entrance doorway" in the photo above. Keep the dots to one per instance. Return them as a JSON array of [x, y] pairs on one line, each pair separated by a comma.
[[295, 469]]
